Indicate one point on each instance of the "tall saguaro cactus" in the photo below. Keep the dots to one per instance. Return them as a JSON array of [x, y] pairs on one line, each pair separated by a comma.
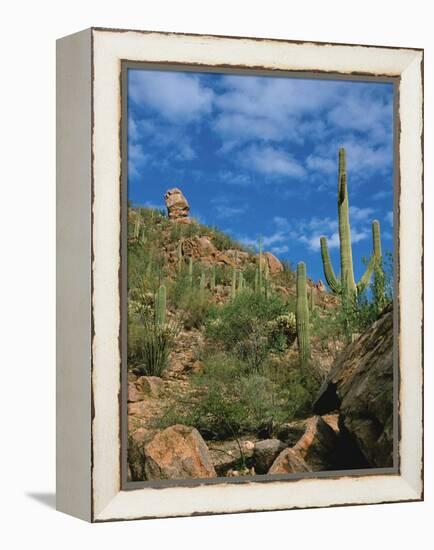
[[346, 283], [302, 316]]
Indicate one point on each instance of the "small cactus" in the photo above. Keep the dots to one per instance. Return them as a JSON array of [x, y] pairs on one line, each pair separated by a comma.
[[256, 284], [212, 278], [303, 337], [202, 282], [266, 279], [160, 306], [260, 264], [190, 270]]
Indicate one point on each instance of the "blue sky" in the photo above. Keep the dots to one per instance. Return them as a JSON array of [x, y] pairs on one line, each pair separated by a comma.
[[257, 155]]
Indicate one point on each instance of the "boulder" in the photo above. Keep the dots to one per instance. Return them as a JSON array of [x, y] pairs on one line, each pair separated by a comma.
[[288, 462], [360, 387], [177, 206], [264, 454], [134, 393], [274, 264], [150, 385], [198, 248], [226, 455], [178, 452], [136, 454], [237, 257]]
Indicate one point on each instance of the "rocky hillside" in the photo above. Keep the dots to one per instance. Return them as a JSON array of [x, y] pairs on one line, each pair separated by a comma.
[[229, 397]]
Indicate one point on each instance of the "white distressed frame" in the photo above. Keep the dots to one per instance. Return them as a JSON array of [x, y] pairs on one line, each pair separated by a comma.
[[106, 499]]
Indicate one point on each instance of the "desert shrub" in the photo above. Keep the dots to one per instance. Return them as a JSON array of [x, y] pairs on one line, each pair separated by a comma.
[[229, 400], [243, 326], [196, 311], [237, 317], [149, 346], [283, 331]]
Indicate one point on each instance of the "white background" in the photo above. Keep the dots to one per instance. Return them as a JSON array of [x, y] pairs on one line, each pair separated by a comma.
[[27, 285]]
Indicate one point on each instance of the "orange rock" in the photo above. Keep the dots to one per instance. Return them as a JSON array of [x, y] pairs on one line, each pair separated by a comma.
[[178, 452], [288, 462]]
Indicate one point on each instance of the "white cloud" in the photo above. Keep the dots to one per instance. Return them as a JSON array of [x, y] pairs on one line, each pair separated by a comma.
[[321, 164], [234, 178], [137, 159], [360, 214], [175, 96], [271, 161], [381, 195], [361, 111], [226, 211]]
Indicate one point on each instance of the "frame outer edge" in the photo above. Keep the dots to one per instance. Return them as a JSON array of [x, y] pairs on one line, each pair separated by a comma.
[[73, 275]]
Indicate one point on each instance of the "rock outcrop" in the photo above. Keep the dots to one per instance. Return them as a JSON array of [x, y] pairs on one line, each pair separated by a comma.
[[202, 248], [360, 386], [274, 264], [314, 451], [178, 452], [177, 205]]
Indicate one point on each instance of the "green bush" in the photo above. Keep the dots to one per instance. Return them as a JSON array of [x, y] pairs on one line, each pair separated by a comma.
[[243, 326], [184, 296]]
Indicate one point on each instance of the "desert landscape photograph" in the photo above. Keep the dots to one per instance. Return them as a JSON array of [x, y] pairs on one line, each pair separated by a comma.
[[260, 279]]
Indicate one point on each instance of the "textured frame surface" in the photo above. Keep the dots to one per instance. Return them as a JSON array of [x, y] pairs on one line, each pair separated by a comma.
[[109, 49]]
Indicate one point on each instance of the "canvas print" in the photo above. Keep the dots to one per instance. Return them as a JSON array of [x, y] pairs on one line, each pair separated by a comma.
[[260, 276]]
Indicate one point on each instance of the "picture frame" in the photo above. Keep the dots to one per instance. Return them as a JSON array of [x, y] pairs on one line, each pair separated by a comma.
[[91, 338]]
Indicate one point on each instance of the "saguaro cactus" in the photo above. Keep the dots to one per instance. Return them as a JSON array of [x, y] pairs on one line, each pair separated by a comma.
[[346, 255], [137, 226], [160, 306], [260, 264], [234, 283], [190, 270], [180, 256], [302, 316], [240, 281], [312, 298], [202, 283]]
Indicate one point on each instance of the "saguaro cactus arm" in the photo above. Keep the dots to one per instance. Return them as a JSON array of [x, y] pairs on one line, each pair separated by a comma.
[[375, 258], [329, 273]]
